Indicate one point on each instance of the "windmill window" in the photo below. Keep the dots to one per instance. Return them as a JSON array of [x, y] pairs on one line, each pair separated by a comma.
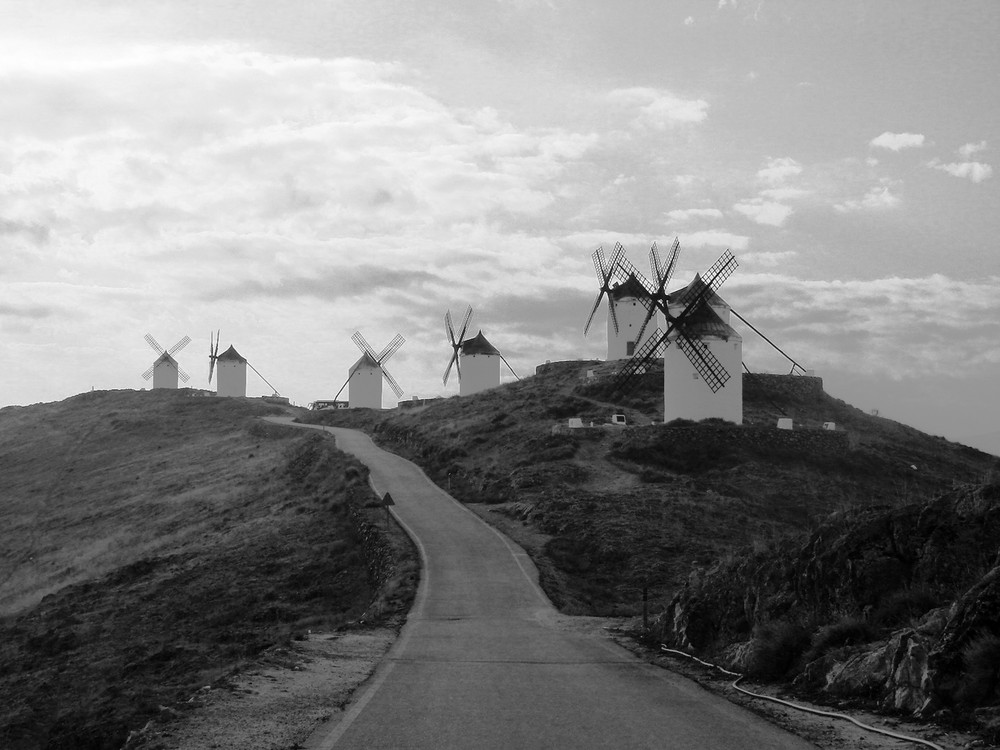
[[694, 376], [629, 348]]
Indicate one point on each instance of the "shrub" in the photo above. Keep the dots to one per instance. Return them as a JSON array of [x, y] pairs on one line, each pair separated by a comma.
[[980, 681], [849, 631], [900, 608], [776, 648]]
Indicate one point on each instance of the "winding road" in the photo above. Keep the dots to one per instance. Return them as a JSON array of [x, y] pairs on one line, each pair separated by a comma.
[[485, 661]]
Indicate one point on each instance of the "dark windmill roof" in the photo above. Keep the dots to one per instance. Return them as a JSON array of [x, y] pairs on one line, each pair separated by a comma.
[[366, 360], [232, 354], [165, 357], [479, 345], [704, 321], [674, 298], [631, 287]]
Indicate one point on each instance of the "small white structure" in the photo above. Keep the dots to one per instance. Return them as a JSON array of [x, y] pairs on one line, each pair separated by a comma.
[[785, 423], [575, 423], [631, 302], [364, 384], [829, 425], [165, 372], [685, 393], [231, 379], [618, 419], [479, 365]]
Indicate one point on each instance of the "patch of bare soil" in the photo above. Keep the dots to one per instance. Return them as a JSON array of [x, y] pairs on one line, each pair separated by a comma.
[[279, 701]]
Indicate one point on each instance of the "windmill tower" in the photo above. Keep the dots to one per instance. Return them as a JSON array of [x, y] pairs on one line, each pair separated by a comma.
[[232, 370], [701, 351], [629, 302], [366, 375], [165, 371], [476, 360]]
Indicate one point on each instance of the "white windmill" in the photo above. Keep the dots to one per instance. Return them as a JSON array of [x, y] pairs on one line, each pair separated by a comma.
[[165, 371], [476, 360], [366, 375], [702, 354], [629, 297], [231, 379]]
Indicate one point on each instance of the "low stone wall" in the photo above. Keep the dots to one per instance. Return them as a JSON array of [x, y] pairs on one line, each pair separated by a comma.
[[378, 552]]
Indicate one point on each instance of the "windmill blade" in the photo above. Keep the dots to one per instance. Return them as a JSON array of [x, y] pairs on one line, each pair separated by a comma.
[[504, 360], [363, 345], [392, 383], [605, 270], [721, 270], [391, 348], [643, 356], [675, 252], [179, 345], [211, 369], [154, 344], [593, 312], [149, 373], [454, 361], [449, 330], [182, 375], [704, 361], [651, 309], [213, 352], [341, 389], [625, 268], [465, 324]]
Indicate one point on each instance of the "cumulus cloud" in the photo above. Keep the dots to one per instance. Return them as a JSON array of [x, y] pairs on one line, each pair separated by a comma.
[[764, 212], [715, 238], [897, 141], [689, 21], [970, 170], [776, 171], [659, 109], [694, 213], [971, 148], [878, 198]]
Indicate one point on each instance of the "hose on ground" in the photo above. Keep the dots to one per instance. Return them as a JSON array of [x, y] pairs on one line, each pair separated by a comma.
[[807, 709]]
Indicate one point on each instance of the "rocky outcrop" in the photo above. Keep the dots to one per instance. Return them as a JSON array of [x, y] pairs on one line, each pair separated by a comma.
[[876, 571]]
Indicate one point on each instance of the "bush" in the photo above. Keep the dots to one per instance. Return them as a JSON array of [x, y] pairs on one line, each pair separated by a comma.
[[900, 608], [980, 680], [776, 648], [849, 631]]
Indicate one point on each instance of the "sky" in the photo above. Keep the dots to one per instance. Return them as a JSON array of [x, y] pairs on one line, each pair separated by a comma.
[[290, 173]]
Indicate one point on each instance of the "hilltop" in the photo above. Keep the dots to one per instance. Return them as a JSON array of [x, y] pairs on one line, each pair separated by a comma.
[[614, 515], [154, 543]]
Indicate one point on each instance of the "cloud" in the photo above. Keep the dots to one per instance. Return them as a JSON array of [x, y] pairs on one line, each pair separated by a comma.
[[778, 170], [767, 259], [878, 198], [689, 21], [971, 170], [971, 148], [694, 213], [659, 109], [764, 212], [715, 238], [897, 141]]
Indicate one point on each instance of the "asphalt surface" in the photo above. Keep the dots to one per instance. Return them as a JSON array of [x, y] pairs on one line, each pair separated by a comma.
[[485, 661]]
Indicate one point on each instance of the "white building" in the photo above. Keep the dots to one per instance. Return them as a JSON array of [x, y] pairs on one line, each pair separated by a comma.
[[365, 384], [231, 378], [686, 395], [165, 372], [631, 301], [479, 364]]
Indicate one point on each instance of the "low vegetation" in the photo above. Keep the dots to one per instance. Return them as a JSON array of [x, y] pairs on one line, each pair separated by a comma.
[[157, 542]]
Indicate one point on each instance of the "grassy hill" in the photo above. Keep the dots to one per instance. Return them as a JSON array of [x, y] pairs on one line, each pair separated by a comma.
[[610, 514], [154, 542]]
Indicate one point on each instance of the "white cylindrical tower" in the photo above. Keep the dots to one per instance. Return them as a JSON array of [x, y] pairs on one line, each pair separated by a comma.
[[631, 301], [365, 384], [479, 361], [165, 372], [231, 379], [686, 395]]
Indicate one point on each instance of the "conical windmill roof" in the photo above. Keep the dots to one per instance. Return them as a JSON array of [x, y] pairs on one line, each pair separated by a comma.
[[366, 360], [704, 321], [479, 345], [631, 287], [232, 354], [165, 357], [674, 298]]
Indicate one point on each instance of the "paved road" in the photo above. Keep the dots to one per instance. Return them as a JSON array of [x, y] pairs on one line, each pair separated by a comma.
[[483, 662]]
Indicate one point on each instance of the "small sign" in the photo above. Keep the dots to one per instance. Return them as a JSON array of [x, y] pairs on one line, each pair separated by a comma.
[[387, 500]]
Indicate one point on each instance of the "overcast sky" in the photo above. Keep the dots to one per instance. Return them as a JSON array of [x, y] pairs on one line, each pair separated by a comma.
[[292, 172]]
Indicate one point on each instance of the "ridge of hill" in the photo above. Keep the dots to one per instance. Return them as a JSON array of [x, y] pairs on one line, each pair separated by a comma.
[[155, 542], [615, 517]]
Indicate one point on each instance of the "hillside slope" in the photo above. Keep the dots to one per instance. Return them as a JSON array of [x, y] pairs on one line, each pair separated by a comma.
[[154, 542], [611, 514]]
